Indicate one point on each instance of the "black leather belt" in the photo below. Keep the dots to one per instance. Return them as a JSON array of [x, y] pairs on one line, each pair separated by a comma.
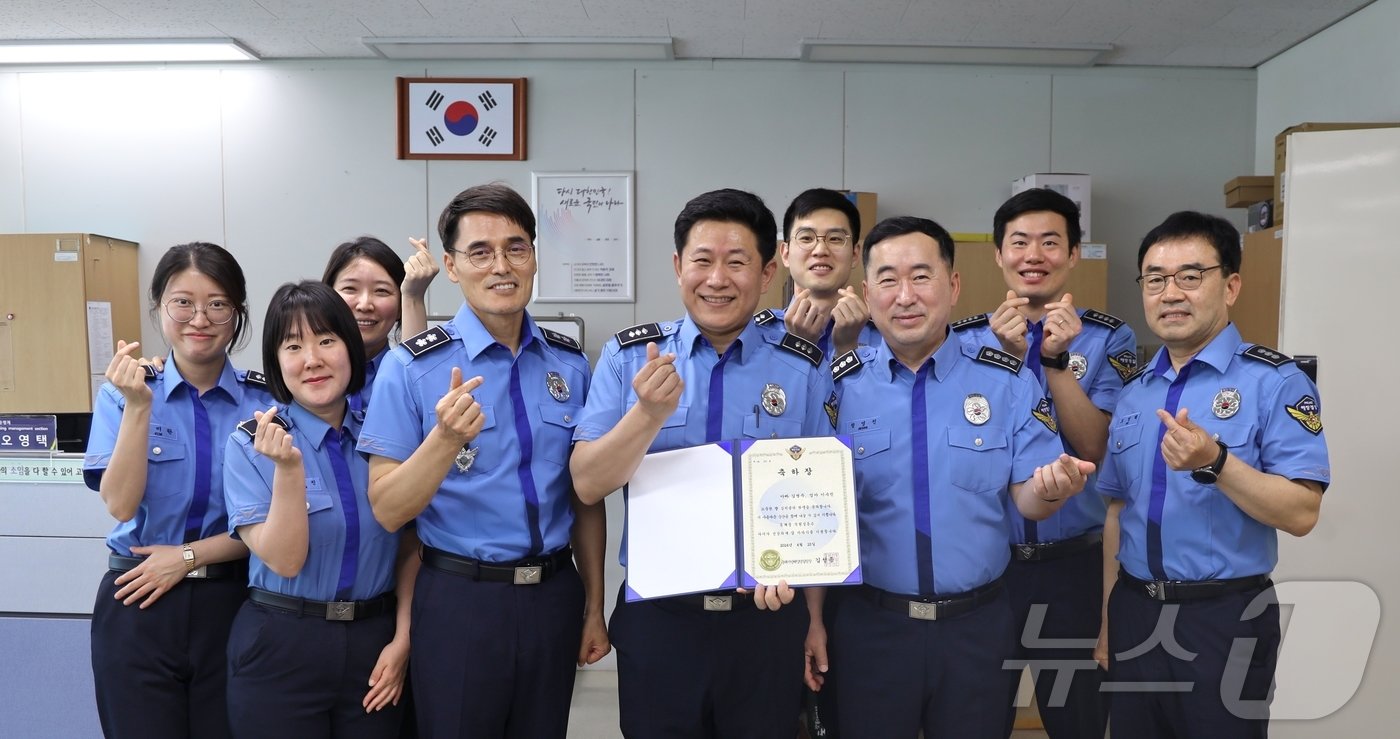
[[1047, 550], [532, 571], [934, 607], [1179, 590], [217, 571], [335, 610]]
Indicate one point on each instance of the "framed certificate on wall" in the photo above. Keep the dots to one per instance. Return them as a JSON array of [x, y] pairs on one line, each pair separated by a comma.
[[461, 118], [584, 237]]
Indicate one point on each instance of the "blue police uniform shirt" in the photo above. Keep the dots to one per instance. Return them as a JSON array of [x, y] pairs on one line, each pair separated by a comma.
[[369, 555], [1102, 356], [513, 501], [934, 453], [869, 335], [184, 454], [723, 396], [1173, 528]]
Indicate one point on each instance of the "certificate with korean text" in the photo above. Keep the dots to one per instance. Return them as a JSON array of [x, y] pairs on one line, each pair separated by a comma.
[[740, 513]]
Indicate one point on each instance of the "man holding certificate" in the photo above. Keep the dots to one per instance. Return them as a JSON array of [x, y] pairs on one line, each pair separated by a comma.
[[717, 663], [941, 432]]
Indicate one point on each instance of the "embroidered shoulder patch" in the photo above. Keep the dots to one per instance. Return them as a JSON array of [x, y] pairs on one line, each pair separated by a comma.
[[424, 342], [803, 348], [639, 334], [1101, 318], [250, 426], [970, 322], [845, 364], [558, 339], [1043, 414], [998, 358], [1139, 373], [1125, 363], [765, 316], [1267, 356], [830, 407], [1306, 413]]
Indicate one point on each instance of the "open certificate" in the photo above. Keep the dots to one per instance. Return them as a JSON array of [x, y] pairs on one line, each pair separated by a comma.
[[739, 513]]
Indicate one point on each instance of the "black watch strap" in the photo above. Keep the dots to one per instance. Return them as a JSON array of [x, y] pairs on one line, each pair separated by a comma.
[[1209, 474], [1059, 361]]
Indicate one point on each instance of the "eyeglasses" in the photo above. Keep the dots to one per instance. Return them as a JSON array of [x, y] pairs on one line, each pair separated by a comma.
[[482, 257], [807, 240], [183, 310], [1186, 279]]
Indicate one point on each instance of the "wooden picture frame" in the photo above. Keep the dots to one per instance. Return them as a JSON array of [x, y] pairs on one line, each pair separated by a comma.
[[480, 118]]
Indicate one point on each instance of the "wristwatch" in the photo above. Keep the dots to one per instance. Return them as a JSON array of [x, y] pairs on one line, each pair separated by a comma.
[[187, 552], [1059, 361], [1210, 473]]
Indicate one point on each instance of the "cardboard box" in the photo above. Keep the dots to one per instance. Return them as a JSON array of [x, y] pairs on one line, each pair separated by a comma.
[[1281, 154], [1071, 185], [1256, 310], [1243, 192]]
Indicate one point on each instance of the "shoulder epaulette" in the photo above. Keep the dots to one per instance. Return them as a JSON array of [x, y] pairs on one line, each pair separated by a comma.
[[150, 372], [1103, 319], [558, 339], [802, 348], [765, 316], [255, 378], [250, 426], [1140, 372], [970, 322], [845, 364], [641, 333], [425, 341], [998, 358], [1267, 356]]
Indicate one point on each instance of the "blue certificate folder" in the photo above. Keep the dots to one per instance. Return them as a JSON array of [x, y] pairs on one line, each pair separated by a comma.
[[738, 513]]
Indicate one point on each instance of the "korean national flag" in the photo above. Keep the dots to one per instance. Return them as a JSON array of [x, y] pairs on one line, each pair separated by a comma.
[[461, 118]]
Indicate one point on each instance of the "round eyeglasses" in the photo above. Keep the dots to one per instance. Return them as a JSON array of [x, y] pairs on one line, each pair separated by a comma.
[[183, 310], [807, 240], [1185, 279], [482, 257]]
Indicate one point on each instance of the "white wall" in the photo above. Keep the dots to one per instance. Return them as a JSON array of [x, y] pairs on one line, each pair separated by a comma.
[[280, 161], [1349, 72]]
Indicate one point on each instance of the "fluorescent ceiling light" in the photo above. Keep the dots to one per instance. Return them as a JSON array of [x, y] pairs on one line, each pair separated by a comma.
[[118, 51], [656, 48], [823, 50]]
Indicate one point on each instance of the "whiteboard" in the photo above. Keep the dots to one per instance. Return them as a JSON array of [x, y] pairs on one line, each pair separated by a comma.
[[1340, 263]]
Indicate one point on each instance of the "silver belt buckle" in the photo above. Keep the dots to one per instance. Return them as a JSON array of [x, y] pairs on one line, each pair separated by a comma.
[[1157, 590], [719, 602], [923, 611], [199, 573], [340, 610], [1027, 551], [528, 575]]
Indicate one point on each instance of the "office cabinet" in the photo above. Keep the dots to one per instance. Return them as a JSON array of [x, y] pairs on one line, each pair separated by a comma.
[[65, 299]]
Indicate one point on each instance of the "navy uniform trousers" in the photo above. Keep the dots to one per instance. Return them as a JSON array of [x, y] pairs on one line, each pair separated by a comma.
[[1067, 593], [495, 659], [160, 672], [688, 673], [1225, 688], [300, 676], [943, 677]]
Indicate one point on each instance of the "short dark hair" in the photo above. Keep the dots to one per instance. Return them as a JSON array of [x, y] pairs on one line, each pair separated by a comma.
[[1186, 224], [493, 197], [365, 247], [901, 225], [325, 312], [819, 198], [1035, 200], [218, 265], [730, 206]]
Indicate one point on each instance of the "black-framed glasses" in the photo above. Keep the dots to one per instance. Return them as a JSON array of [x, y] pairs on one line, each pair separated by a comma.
[[183, 310], [483, 256], [1186, 279], [807, 240]]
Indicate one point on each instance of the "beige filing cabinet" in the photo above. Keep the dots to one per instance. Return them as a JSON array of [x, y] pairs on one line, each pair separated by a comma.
[[57, 291]]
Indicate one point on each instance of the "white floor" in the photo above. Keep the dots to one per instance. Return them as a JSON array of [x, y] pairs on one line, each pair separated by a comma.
[[594, 712]]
